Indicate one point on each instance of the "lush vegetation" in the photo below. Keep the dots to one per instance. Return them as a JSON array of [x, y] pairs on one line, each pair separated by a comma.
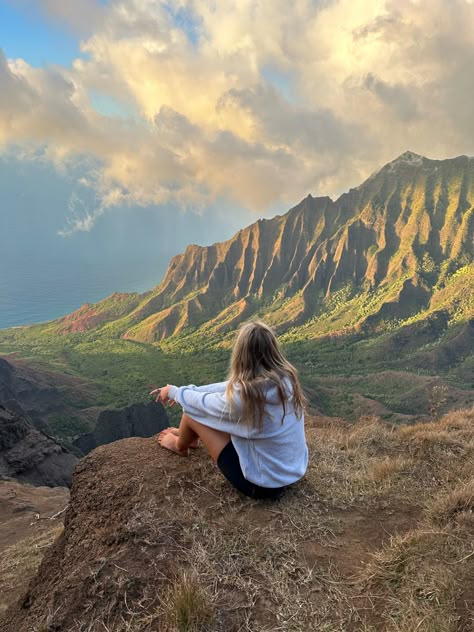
[[343, 373]]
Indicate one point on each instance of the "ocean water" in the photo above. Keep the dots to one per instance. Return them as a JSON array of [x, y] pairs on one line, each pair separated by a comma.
[[44, 276], [55, 276], [41, 290]]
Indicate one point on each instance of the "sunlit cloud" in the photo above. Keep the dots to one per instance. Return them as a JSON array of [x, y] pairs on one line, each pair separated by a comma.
[[260, 103]]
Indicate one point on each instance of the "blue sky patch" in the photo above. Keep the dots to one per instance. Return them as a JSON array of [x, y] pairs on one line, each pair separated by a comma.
[[186, 20], [108, 106], [29, 35], [282, 81]]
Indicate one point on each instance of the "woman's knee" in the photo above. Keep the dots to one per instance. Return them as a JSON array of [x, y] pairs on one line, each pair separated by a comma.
[[189, 420]]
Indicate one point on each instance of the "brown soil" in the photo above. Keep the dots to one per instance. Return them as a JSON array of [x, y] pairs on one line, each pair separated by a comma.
[[362, 532], [142, 521]]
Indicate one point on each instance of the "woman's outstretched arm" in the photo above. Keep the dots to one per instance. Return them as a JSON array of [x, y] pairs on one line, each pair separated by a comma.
[[218, 387]]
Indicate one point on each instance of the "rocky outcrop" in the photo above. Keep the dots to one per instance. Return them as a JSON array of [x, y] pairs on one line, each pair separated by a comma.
[[154, 542], [138, 420], [35, 394], [120, 512], [7, 377], [31, 456]]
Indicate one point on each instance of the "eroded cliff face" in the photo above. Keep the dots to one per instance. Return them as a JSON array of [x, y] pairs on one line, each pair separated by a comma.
[[30, 520], [408, 226], [41, 393], [30, 456]]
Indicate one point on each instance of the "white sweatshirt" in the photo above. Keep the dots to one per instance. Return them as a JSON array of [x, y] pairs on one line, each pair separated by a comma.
[[274, 456]]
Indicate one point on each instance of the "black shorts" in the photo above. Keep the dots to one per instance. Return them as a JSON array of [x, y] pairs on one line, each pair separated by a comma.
[[229, 464]]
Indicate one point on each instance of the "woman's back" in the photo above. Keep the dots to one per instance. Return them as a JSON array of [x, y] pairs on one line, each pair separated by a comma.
[[271, 454]]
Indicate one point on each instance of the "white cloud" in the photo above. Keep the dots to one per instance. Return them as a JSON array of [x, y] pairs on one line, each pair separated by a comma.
[[80, 218], [367, 79]]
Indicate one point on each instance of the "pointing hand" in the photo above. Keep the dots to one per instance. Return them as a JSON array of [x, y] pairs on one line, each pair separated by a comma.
[[162, 395]]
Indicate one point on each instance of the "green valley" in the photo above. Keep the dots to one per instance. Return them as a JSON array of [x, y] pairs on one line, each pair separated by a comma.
[[372, 296]]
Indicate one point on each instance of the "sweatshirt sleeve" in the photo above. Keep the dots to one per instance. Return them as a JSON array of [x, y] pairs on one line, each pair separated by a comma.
[[209, 407], [218, 387]]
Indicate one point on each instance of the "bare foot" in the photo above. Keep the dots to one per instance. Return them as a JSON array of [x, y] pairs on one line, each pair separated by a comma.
[[175, 431], [169, 441]]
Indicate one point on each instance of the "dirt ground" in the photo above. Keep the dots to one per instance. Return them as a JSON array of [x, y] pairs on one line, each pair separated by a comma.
[[378, 536]]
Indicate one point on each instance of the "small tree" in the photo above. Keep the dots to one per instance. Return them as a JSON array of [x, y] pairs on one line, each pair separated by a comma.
[[437, 398]]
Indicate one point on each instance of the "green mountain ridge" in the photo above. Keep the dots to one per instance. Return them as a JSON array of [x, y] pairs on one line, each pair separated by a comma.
[[384, 251]]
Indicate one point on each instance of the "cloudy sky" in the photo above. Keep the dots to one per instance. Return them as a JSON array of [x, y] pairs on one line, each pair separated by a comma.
[[249, 103]]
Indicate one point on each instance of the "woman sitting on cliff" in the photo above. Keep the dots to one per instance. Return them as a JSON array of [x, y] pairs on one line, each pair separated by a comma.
[[253, 424]]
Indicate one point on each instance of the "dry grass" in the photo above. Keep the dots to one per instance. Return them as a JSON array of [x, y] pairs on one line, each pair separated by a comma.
[[257, 575], [20, 562], [187, 605], [454, 506], [416, 582], [371, 459], [417, 579], [363, 462], [388, 467]]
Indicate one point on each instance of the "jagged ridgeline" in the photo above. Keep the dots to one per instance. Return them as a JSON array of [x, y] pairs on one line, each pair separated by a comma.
[[399, 245]]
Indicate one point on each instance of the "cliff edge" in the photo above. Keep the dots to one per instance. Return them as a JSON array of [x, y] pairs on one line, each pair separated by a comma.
[[380, 530], [137, 420]]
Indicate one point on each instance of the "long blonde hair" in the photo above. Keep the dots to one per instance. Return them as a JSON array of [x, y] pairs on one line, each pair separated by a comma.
[[257, 360]]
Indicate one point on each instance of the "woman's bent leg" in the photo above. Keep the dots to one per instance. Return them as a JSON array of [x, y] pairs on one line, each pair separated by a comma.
[[213, 440], [221, 449], [189, 430]]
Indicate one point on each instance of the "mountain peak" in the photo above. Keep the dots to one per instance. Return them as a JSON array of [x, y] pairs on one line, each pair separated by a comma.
[[408, 154], [408, 158]]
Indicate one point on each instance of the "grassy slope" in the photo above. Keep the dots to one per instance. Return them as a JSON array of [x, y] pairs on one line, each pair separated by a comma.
[[333, 371]]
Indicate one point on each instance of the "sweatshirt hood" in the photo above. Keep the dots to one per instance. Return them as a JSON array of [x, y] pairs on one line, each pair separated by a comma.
[[271, 391]]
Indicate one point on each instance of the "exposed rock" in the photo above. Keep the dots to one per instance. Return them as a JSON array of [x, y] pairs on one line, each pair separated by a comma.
[[7, 378], [138, 420], [29, 455]]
